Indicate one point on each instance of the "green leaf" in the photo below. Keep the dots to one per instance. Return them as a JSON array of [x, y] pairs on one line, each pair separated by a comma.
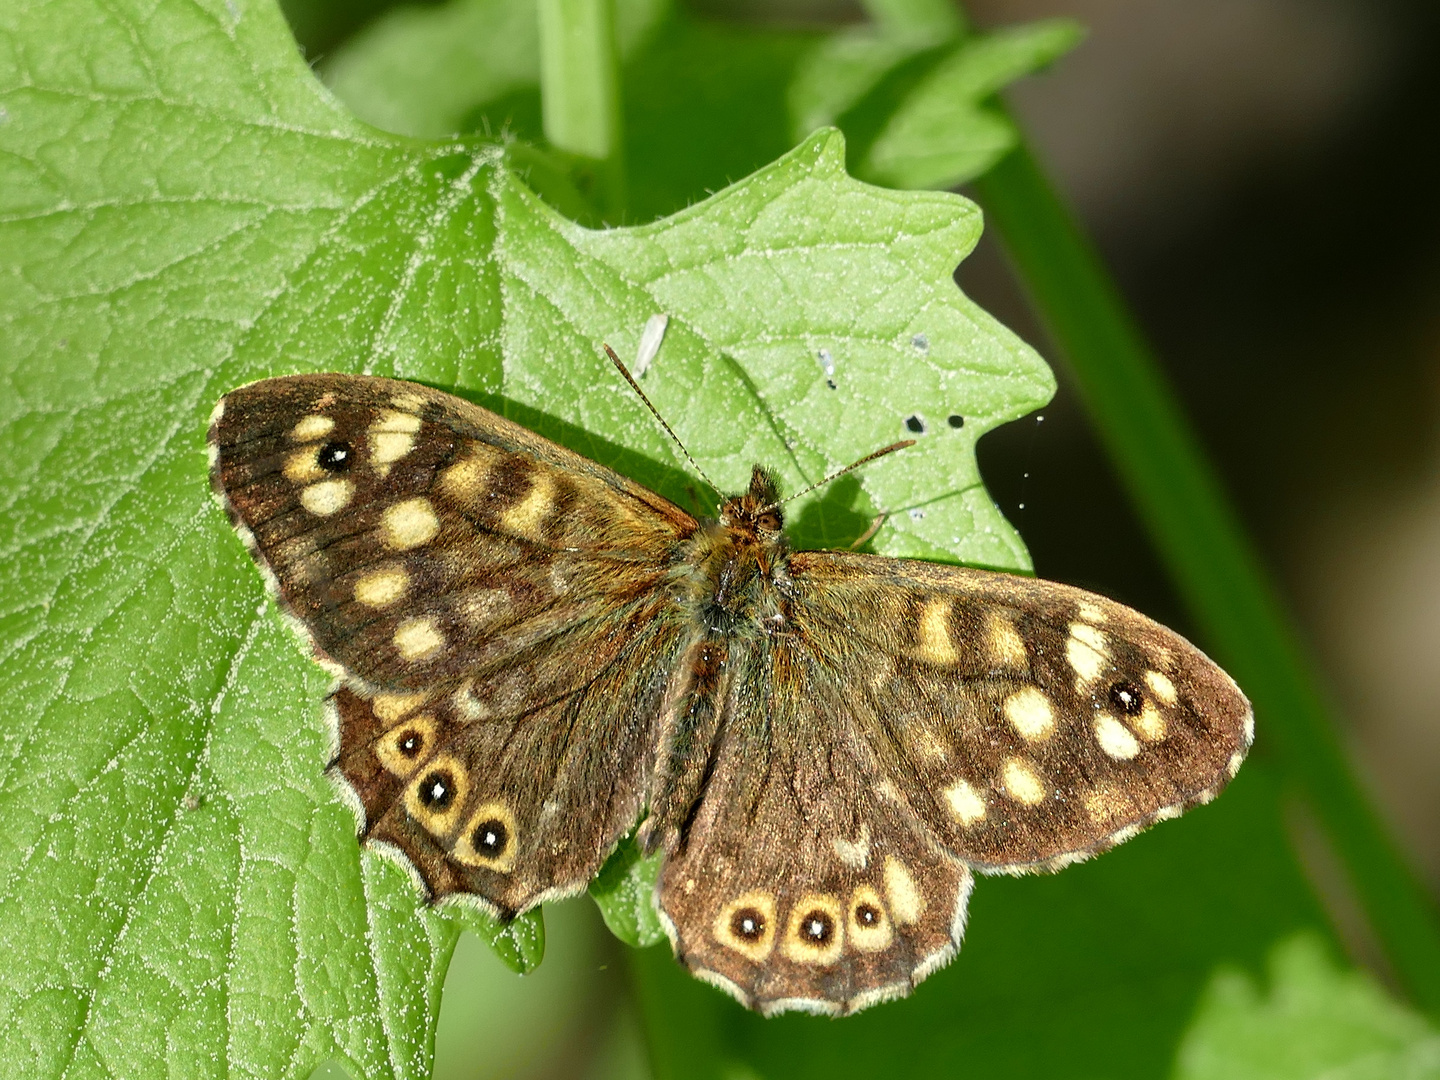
[[1318, 1019], [840, 71], [182, 210], [423, 70], [703, 101], [519, 943], [624, 890], [943, 134]]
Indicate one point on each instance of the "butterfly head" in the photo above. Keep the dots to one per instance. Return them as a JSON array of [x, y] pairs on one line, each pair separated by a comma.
[[755, 515]]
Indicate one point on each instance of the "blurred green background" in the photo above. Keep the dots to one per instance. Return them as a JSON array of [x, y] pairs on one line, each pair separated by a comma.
[[1259, 176]]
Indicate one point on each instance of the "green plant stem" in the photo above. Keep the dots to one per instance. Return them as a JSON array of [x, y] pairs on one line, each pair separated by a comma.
[[580, 90], [1198, 536]]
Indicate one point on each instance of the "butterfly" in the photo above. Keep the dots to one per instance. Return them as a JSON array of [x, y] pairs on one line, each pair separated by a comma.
[[537, 658]]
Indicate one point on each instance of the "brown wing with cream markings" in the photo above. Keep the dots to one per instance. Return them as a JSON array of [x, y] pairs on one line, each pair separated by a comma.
[[1028, 724], [491, 603], [419, 538], [801, 881], [514, 809]]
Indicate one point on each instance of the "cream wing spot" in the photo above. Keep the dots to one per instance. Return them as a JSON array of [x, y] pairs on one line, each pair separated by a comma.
[[465, 480], [1088, 651], [1150, 724], [417, 638], [392, 708], [1115, 738], [327, 497], [853, 853], [1003, 642], [869, 925], [966, 804], [933, 644], [527, 517], [1161, 686], [401, 749], [1091, 612], [303, 466], [816, 930], [462, 480], [392, 436], [1030, 713], [311, 428], [435, 797], [907, 903], [381, 588], [747, 925], [1021, 782], [408, 524]]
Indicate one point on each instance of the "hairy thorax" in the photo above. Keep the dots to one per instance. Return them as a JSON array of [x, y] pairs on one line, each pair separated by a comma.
[[734, 567]]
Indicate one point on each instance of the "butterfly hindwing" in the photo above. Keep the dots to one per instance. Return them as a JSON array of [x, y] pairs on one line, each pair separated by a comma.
[[802, 881], [514, 809]]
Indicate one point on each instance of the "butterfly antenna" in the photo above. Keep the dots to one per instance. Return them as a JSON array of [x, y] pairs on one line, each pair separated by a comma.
[[668, 430], [901, 445]]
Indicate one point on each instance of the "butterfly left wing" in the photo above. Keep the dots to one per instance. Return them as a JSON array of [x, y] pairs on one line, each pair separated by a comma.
[[492, 604], [419, 539]]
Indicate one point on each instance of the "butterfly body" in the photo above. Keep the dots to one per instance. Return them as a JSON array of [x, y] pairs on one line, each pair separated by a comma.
[[537, 657]]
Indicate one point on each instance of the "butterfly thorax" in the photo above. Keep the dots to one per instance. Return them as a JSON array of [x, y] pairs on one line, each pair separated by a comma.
[[734, 561]]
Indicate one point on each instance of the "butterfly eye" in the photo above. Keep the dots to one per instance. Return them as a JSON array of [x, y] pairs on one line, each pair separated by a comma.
[[748, 924], [770, 522], [818, 927], [334, 457], [437, 791], [491, 838], [1127, 698]]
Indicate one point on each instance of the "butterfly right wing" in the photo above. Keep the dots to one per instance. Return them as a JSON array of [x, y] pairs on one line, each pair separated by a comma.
[[903, 724], [1027, 723]]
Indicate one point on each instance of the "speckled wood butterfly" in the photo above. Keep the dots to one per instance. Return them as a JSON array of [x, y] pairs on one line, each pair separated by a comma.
[[535, 655]]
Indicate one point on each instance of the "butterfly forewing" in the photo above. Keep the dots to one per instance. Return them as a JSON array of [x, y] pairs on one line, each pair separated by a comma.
[[1027, 723], [536, 656], [419, 538]]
